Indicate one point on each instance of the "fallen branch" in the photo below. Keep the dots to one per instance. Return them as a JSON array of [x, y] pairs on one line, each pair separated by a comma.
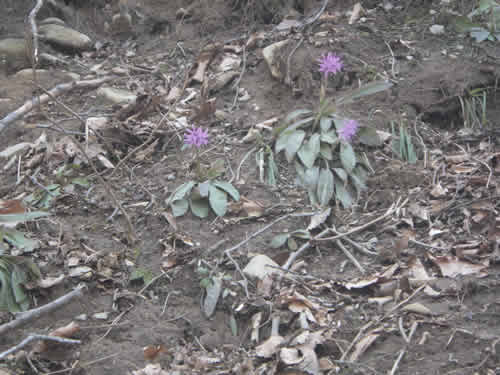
[[321, 236], [32, 337], [56, 91], [26, 316]]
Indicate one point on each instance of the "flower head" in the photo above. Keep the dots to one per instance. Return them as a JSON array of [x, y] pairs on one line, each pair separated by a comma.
[[348, 130], [196, 137], [330, 63]]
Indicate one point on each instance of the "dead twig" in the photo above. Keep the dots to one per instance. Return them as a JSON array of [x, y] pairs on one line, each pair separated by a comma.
[[32, 337], [405, 349], [350, 256], [26, 316], [320, 237], [54, 92]]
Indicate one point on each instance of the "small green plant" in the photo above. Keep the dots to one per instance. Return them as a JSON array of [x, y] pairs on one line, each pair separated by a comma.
[[318, 142], [403, 146], [205, 191], [66, 179], [489, 12], [16, 271], [474, 108]]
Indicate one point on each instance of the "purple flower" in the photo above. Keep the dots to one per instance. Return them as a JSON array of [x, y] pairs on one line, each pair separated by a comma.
[[330, 63], [196, 137], [348, 130]]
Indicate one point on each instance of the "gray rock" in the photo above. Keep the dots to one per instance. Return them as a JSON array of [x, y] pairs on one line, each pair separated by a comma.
[[13, 55], [65, 38], [52, 21]]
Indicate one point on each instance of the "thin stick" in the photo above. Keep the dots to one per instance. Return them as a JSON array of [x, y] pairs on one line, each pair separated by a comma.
[[350, 256], [403, 351], [56, 91], [32, 337], [262, 230], [29, 315]]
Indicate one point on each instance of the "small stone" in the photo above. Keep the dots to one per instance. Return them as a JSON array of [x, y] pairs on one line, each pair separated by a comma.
[[437, 29]]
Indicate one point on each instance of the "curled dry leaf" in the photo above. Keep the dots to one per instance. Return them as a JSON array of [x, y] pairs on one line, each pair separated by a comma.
[[417, 308], [151, 369], [151, 351], [363, 344], [66, 332], [452, 266]]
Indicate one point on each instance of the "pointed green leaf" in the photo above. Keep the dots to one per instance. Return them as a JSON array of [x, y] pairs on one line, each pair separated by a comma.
[[310, 151], [325, 186], [342, 194], [302, 234], [294, 141], [203, 189], [199, 207], [18, 240], [292, 244], [325, 151], [21, 218], [347, 157], [311, 177], [218, 201], [181, 192], [329, 137], [228, 188], [279, 240], [325, 124], [341, 173], [285, 125], [369, 136], [368, 89], [179, 207]]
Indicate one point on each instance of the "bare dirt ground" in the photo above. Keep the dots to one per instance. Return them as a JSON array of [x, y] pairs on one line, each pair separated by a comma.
[[429, 299]]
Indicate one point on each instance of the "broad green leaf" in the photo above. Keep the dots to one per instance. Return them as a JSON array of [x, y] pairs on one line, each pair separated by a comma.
[[179, 207], [21, 218], [218, 201], [302, 234], [81, 181], [311, 177], [342, 194], [199, 207], [325, 124], [289, 118], [310, 151], [347, 157], [292, 244], [329, 137], [325, 151], [181, 192], [7, 301], [294, 141], [298, 124], [341, 173], [228, 188], [294, 114], [369, 136], [203, 188], [279, 240], [358, 183], [325, 187], [301, 173], [18, 240], [368, 89]]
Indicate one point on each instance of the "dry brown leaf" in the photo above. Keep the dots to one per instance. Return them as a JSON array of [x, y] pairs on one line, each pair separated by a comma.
[[362, 345], [417, 308], [452, 266]]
